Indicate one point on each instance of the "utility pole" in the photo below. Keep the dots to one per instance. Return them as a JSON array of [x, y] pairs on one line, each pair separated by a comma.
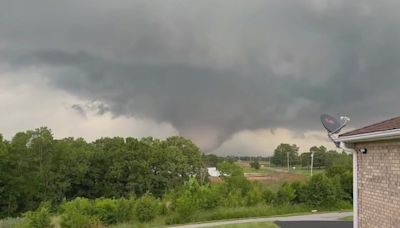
[[288, 164], [312, 161]]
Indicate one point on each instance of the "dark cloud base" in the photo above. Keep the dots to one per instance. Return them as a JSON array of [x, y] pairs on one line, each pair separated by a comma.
[[213, 69]]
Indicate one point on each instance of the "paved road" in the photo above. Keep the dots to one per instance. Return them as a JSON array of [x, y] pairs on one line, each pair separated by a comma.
[[313, 217], [315, 224]]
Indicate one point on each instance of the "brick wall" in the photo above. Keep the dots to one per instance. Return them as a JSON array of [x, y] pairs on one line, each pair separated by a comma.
[[379, 184]]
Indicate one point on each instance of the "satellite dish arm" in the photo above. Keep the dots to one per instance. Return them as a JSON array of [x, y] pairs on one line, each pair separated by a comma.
[[345, 120], [333, 139]]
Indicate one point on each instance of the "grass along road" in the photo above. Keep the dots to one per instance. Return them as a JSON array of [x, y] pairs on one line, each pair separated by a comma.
[[335, 216], [250, 225]]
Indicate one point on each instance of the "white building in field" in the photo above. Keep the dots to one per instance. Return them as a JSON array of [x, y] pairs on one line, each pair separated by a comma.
[[213, 172]]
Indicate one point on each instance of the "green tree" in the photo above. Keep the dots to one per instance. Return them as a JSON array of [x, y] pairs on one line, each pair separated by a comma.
[[281, 154], [255, 165], [319, 156]]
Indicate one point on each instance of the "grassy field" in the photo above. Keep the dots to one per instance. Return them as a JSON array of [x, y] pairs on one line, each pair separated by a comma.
[[274, 177], [250, 225]]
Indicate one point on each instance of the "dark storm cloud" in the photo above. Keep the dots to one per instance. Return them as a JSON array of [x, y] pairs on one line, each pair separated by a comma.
[[213, 68]]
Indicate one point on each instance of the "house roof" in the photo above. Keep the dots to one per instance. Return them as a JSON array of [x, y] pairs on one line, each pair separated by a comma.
[[386, 125]]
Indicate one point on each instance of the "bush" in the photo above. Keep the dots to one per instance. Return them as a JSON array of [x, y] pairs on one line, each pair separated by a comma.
[[188, 200], [300, 192], [146, 208], [39, 218], [321, 191], [254, 196], [124, 210], [208, 197], [105, 210], [255, 165], [233, 199], [285, 194], [268, 196], [78, 213]]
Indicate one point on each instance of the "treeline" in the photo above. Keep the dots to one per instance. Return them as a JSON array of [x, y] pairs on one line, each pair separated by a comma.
[[36, 168], [234, 197], [322, 157], [211, 160]]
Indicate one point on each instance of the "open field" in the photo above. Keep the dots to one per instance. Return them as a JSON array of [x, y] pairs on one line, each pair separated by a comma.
[[273, 177]]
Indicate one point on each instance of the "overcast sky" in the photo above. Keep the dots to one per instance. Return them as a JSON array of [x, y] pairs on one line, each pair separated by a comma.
[[237, 77]]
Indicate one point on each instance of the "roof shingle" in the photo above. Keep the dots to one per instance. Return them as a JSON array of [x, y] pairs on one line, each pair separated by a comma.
[[386, 125]]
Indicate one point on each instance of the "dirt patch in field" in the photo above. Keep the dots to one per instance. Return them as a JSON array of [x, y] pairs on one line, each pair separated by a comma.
[[269, 178], [276, 177]]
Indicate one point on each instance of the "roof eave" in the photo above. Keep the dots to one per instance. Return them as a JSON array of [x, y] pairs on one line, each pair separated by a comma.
[[372, 136]]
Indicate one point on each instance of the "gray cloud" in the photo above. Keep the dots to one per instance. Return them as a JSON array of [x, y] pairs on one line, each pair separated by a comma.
[[214, 68]]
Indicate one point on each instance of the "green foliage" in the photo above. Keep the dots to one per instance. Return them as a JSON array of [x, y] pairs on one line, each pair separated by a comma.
[[146, 208], [241, 212], [78, 213], [211, 160], [255, 165], [300, 192], [35, 168], [268, 196], [124, 209], [254, 196], [82, 212], [285, 194], [193, 196], [281, 152], [322, 192], [233, 198], [38, 219], [105, 210], [229, 169]]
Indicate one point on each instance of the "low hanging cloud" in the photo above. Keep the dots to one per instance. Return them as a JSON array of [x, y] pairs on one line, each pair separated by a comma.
[[213, 68]]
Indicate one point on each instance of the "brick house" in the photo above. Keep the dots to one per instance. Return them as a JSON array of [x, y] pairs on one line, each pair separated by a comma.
[[376, 169]]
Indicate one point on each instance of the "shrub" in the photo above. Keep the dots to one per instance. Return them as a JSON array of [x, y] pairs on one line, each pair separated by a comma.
[[233, 199], [321, 191], [229, 169], [346, 181], [268, 196], [254, 196], [285, 194], [124, 209], [39, 218], [300, 192], [78, 213], [146, 208], [185, 207], [105, 210], [188, 200], [255, 165], [208, 197]]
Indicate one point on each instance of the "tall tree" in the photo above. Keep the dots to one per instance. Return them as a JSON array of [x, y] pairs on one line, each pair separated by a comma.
[[281, 153]]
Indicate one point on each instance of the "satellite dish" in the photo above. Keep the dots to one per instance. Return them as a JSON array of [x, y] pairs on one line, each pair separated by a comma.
[[331, 124]]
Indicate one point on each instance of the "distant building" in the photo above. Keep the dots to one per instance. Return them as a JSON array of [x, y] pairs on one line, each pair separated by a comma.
[[376, 173], [213, 172]]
